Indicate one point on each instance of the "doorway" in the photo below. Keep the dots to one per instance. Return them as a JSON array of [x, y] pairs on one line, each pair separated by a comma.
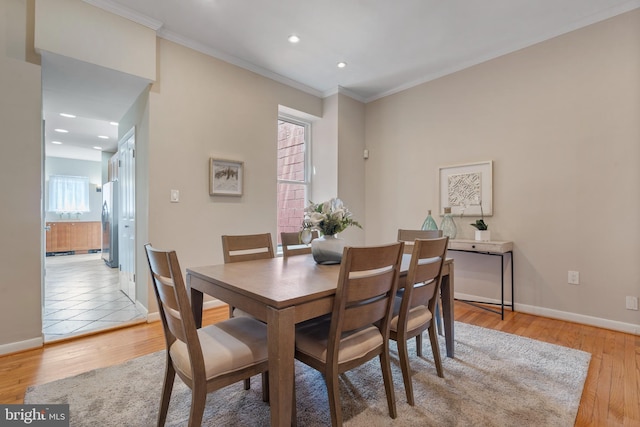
[[81, 294]]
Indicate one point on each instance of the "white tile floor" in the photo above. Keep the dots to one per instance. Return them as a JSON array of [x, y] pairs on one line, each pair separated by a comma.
[[82, 295]]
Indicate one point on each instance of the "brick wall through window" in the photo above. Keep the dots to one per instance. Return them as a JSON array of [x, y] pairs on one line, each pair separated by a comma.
[[291, 176]]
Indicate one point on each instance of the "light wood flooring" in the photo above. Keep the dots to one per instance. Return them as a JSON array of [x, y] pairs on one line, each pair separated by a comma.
[[611, 395]]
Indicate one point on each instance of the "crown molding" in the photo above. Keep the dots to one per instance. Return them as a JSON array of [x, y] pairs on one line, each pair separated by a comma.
[[586, 21], [125, 12], [208, 50]]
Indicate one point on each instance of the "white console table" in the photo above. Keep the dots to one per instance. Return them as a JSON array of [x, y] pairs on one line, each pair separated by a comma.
[[494, 248]]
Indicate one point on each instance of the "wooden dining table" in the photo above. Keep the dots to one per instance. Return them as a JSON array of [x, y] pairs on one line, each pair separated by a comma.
[[282, 292]]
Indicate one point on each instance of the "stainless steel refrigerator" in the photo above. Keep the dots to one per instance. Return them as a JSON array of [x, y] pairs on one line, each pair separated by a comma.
[[110, 223]]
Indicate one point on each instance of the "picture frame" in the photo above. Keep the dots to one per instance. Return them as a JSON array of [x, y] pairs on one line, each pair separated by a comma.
[[467, 189], [226, 177]]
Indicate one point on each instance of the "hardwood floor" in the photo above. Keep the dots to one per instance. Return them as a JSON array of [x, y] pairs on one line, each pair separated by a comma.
[[611, 395]]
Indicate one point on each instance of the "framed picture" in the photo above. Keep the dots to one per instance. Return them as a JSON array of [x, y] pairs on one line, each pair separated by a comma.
[[467, 189], [225, 177]]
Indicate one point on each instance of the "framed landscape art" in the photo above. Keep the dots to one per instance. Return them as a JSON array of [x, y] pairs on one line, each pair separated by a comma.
[[225, 177]]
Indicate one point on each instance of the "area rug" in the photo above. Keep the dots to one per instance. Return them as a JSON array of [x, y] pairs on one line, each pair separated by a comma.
[[495, 379]]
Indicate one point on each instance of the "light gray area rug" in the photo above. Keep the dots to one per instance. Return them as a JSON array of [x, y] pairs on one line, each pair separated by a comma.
[[496, 379]]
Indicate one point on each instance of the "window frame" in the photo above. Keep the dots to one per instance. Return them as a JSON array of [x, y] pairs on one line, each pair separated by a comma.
[[307, 168]]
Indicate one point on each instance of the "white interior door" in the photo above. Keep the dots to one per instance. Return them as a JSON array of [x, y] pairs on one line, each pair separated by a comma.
[[127, 218]]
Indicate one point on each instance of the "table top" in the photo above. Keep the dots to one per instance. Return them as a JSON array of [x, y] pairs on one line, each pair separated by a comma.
[[299, 278]]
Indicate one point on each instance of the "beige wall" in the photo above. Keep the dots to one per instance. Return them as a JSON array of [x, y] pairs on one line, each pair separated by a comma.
[[202, 107], [561, 121], [20, 186], [351, 164], [324, 152], [81, 31], [337, 145]]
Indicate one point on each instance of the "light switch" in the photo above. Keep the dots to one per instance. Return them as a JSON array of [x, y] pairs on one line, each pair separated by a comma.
[[175, 196]]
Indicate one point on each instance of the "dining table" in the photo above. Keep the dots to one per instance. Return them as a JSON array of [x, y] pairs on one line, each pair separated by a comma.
[[283, 292]]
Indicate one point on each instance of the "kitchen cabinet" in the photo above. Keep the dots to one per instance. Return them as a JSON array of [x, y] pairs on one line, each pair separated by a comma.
[[73, 236]]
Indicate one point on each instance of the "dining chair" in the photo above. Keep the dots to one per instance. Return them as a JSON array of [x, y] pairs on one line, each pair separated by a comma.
[[358, 329], [409, 236], [208, 358], [412, 312], [292, 245], [246, 247]]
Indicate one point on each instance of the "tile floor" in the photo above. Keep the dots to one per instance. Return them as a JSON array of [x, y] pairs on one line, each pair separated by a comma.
[[82, 295]]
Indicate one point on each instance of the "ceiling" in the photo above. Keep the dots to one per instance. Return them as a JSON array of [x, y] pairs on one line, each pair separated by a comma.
[[97, 96], [388, 46]]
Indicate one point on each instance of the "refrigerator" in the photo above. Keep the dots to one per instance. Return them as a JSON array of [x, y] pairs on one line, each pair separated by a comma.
[[110, 223]]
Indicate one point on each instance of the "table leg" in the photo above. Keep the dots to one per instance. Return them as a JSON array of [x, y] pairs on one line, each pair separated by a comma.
[[446, 294], [281, 343], [196, 306]]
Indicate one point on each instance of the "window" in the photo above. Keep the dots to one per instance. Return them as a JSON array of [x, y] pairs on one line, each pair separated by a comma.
[[293, 173], [68, 194]]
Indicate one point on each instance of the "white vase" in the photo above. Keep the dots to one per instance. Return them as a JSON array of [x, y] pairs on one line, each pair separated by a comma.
[[327, 249], [483, 235]]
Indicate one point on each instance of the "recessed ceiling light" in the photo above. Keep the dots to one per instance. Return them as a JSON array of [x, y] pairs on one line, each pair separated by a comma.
[[56, 142], [71, 116], [113, 123], [103, 137], [61, 130], [342, 64], [98, 148], [293, 38]]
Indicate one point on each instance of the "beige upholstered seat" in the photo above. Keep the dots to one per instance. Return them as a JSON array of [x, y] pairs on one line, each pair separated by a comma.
[[413, 309], [205, 359], [292, 245], [358, 329]]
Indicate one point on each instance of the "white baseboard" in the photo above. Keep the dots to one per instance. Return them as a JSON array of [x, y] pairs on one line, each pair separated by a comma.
[[141, 308], [14, 347], [614, 325]]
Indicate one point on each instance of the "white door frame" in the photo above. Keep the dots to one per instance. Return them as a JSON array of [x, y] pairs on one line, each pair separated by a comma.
[[127, 213]]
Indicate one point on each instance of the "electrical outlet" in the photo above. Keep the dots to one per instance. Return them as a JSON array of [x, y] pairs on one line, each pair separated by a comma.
[[574, 278], [632, 303]]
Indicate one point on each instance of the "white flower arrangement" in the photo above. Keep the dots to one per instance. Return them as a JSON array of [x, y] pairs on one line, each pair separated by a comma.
[[329, 218]]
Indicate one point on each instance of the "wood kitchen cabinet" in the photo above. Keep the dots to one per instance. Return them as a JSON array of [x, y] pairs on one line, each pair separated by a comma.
[[78, 237]]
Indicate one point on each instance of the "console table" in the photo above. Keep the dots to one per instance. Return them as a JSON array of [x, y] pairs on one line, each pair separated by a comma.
[[493, 248]]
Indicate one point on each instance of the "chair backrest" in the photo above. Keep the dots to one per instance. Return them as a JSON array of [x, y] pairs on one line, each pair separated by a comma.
[[366, 289], [247, 247], [173, 303], [424, 275], [409, 236], [292, 245]]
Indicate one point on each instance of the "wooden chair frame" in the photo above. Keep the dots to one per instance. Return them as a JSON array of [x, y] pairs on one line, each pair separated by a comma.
[[367, 285], [292, 246], [178, 324], [409, 236], [422, 288], [247, 247]]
